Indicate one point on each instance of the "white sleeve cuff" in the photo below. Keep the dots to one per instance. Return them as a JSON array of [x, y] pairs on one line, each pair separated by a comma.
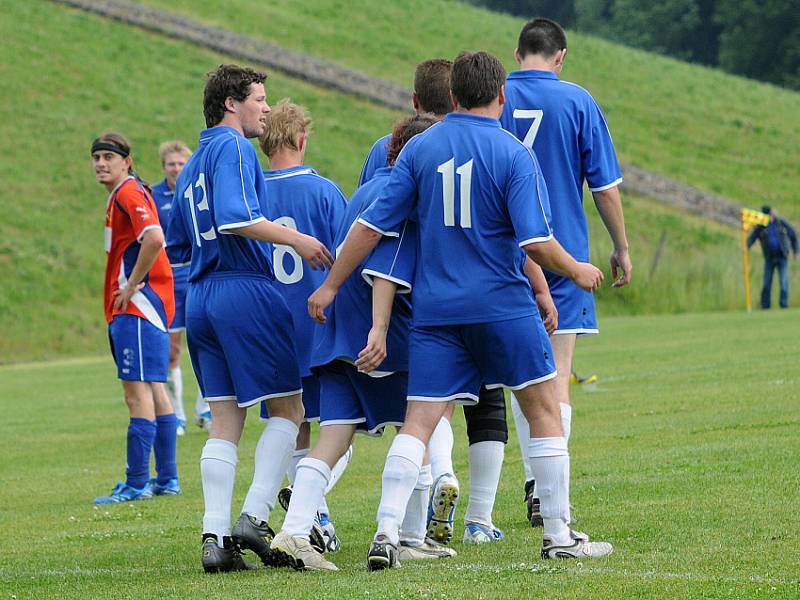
[[145, 230], [536, 240], [381, 231], [608, 186], [369, 274], [225, 228]]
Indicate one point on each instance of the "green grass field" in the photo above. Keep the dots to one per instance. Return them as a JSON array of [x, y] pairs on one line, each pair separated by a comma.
[[684, 456]]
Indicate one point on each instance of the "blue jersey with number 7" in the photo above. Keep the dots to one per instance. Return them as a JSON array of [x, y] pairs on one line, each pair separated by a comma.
[[566, 129], [221, 188], [478, 196]]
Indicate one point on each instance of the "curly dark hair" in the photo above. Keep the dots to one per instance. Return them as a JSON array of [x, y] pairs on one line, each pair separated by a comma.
[[404, 130], [227, 81]]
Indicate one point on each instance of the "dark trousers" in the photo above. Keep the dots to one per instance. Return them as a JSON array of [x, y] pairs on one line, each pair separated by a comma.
[[770, 264]]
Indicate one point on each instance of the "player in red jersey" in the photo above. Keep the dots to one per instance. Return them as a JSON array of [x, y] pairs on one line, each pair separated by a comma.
[[139, 307]]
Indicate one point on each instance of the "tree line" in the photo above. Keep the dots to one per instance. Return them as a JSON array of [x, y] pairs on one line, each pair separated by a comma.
[[759, 39]]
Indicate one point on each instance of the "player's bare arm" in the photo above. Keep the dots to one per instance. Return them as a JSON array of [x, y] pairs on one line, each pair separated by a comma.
[[609, 205], [359, 243], [541, 292], [311, 249], [374, 352], [552, 256], [152, 243]]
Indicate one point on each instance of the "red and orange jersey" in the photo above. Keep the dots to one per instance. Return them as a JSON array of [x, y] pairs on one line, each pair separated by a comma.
[[129, 214]]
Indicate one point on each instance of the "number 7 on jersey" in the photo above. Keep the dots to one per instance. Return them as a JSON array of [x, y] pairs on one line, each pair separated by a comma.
[[535, 114]]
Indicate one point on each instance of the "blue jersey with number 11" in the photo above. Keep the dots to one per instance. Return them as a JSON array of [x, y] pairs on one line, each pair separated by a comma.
[[568, 133], [221, 188], [478, 197], [302, 200]]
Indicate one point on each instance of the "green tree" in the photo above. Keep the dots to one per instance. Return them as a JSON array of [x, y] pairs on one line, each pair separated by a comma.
[[760, 39]]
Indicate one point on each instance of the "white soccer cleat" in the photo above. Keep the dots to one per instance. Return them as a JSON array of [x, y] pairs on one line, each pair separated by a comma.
[[427, 550], [475, 533], [298, 552], [580, 548], [442, 508]]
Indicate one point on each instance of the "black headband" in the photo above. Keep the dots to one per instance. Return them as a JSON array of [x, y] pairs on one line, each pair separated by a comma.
[[110, 147]]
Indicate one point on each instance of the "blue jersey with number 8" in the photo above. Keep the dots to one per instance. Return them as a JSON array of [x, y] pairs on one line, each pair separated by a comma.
[[302, 200], [221, 188], [478, 196]]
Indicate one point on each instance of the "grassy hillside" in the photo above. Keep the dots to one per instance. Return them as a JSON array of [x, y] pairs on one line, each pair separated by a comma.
[[59, 65], [719, 132], [688, 465], [67, 77]]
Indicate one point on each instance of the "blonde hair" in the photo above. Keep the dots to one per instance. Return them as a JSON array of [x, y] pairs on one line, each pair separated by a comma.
[[173, 146], [285, 124]]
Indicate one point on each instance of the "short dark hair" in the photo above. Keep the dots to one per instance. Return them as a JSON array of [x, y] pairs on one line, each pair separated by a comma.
[[541, 36], [227, 81], [403, 131], [432, 86], [476, 78]]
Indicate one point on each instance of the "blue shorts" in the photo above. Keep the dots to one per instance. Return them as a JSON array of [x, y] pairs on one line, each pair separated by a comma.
[[241, 339], [448, 363], [140, 349], [310, 400], [370, 403], [575, 306], [181, 286]]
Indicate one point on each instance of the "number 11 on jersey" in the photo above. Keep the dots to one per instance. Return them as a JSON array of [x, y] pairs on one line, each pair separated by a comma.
[[449, 172]]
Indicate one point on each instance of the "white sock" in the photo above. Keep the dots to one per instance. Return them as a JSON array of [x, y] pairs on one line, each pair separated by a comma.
[[566, 419], [175, 392], [297, 456], [309, 487], [415, 521], [440, 449], [485, 464], [400, 474], [338, 469], [200, 405], [549, 460], [218, 472], [523, 434], [273, 453]]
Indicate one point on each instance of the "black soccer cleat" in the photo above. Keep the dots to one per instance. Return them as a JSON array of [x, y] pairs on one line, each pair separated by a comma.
[[382, 555], [251, 534], [222, 560]]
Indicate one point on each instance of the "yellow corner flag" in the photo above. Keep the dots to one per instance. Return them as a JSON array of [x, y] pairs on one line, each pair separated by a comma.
[[750, 217]]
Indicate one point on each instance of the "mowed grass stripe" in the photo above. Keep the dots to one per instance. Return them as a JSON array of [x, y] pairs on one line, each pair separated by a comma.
[[683, 456]]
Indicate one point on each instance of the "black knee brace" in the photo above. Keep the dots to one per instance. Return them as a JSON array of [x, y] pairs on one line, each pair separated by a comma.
[[486, 421]]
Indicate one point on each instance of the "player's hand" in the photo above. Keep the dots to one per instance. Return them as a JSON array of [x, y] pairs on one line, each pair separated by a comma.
[[374, 352], [319, 301], [124, 294], [621, 262], [314, 251], [587, 276], [547, 309]]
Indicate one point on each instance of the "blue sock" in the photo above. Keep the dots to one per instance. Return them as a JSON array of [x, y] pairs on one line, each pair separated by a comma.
[[164, 448], [141, 433]]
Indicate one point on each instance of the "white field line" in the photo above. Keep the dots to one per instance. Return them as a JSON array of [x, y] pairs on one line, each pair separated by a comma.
[[573, 569]]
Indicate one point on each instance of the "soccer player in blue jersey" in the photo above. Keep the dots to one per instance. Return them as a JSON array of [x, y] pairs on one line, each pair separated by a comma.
[[566, 129], [361, 356], [174, 155], [431, 95], [301, 199], [239, 329], [478, 197], [487, 428]]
